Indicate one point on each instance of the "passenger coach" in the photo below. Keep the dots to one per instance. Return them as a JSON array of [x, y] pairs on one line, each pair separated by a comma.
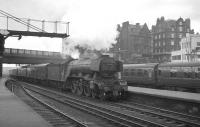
[[176, 76]]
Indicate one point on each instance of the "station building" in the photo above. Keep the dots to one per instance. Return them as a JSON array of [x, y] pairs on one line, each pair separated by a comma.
[[190, 49]]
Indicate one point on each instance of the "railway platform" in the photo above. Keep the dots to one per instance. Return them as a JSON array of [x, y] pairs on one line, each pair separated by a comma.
[[15, 113], [177, 95]]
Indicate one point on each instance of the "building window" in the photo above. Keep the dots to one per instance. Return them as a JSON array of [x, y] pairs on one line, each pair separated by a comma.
[[155, 37], [172, 42], [180, 23], [188, 30], [172, 28], [180, 28], [159, 36], [172, 35], [182, 45], [163, 35], [180, 36], [198, 43], [177, 57], [155, 44], [184, 57], [132, 29], [163, 43]]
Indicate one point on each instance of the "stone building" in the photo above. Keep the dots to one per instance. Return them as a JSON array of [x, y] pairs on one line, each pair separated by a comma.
[[190, 49], [133, 42], [166, 35]]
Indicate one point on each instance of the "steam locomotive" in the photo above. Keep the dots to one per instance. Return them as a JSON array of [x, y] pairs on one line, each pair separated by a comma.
[[184, 76], [97, 77]]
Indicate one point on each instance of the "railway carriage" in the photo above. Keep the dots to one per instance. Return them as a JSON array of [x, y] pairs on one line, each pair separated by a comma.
[[176, 76], [138, 74], [179, 75]]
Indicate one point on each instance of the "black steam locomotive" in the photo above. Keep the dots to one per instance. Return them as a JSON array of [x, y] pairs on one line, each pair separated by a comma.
[[96, 77], [175, 76]]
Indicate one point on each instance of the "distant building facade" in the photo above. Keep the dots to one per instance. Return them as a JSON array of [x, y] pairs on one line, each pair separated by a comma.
[[190, 49], [133, 42], [166, 37]]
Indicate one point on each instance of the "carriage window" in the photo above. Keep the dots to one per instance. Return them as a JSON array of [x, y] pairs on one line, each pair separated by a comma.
[[188, 74], [172, 74], [145, 72], [196, 75], [139, 73], [126, 72], [132, 71], [159, 72]]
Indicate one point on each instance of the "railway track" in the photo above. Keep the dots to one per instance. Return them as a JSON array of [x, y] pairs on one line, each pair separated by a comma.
[[166, 116], [51, 114], [127, 116], [115, 117]]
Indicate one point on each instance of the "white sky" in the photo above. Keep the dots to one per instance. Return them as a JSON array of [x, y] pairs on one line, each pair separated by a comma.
[[94, 21]]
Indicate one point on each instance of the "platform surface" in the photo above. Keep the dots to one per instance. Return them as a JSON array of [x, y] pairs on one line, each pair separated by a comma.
[[15, 113], [191, 97]]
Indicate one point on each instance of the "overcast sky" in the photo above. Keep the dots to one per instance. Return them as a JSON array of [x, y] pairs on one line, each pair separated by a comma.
[[94, 21]]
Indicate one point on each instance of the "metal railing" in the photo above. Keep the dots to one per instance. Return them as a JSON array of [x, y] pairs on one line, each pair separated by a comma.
[[10, 22], [31, 52]]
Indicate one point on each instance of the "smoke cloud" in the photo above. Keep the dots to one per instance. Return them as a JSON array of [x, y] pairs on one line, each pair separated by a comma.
[[90, 26]]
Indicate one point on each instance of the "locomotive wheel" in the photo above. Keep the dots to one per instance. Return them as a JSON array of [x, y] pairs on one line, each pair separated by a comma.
[[87, 91], [124, 95], [93, 93], [73, 87], [79, 89], [102, 96]]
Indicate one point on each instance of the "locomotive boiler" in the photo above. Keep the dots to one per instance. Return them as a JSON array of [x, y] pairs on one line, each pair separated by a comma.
[[97, 77]]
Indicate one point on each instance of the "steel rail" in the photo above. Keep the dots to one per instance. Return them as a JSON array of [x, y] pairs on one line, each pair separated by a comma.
[[119, 117], [80, 124]]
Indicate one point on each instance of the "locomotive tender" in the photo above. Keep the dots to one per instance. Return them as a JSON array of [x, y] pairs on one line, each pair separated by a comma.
[[96, 77], [175, 76]]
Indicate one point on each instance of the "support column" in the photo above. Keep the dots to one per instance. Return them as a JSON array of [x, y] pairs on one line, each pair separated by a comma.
[[2, 42]]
